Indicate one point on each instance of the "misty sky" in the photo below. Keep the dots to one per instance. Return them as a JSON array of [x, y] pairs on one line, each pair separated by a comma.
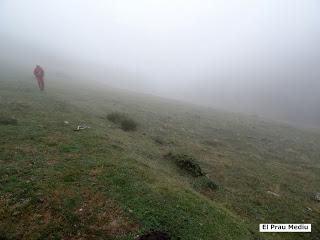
[[237, 54]]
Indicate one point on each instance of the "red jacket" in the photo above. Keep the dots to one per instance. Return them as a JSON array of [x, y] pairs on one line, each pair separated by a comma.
[[38, 72]]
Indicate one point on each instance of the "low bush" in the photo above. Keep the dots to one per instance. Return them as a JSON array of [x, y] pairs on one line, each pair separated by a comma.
[[125, 122], [116, 117], [186, 163], [128, 125]]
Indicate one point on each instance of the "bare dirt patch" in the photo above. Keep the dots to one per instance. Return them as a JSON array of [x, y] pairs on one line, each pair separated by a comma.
[[102, 214], [65, 212]]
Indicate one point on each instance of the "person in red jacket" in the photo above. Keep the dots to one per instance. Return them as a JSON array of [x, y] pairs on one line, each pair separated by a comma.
[[39, 74]]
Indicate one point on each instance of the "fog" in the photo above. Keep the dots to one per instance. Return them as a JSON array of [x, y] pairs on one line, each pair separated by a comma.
[[260, 57]]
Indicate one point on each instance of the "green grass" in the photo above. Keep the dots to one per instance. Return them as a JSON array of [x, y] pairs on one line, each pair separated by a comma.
[[105, 183]]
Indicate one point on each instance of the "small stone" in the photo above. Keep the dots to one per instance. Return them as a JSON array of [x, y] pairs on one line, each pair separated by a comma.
[[273, 193]]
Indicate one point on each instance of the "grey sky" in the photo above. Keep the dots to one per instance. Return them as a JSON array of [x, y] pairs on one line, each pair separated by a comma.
[[226, 52]]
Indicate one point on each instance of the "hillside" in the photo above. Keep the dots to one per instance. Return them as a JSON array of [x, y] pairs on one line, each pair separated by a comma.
[[106, 183]]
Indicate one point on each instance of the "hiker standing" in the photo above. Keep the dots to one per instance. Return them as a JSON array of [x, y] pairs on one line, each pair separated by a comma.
[[39, 74]]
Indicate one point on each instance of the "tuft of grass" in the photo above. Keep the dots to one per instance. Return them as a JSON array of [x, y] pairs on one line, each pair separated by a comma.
[[186, 163], [125, 122]]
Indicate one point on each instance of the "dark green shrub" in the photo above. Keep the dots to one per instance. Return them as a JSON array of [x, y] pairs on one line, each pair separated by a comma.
[[116, 117], [125, 122], [128, 125], [211, 184], [186, 163]]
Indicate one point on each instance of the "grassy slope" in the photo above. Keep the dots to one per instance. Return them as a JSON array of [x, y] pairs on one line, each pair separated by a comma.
[[103, 183]]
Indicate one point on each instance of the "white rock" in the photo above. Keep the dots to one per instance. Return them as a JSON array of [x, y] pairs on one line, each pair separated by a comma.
[[273, 193]]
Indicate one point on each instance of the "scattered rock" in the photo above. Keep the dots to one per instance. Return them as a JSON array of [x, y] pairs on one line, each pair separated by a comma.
[[273, 193], [154, 235], [82, 126], [309, 209], [66, 122]]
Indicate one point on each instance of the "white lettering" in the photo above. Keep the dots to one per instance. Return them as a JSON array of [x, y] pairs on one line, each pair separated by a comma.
[[292, 227]]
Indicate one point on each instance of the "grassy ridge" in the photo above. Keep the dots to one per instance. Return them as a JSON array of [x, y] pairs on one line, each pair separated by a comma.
[[49, 172], [104, 183]]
